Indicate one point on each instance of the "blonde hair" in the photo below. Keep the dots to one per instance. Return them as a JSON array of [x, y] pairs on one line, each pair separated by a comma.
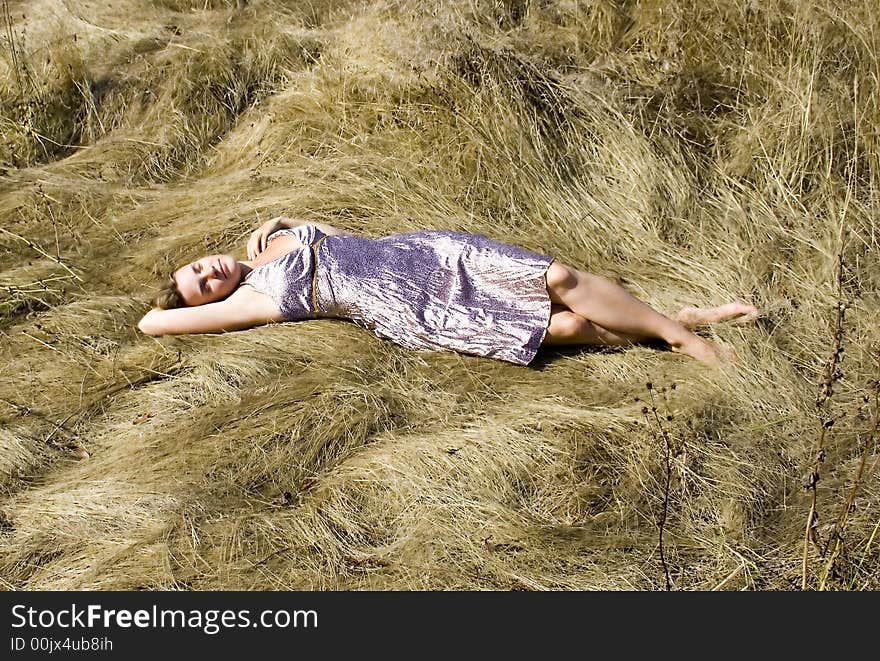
[[169, 296]]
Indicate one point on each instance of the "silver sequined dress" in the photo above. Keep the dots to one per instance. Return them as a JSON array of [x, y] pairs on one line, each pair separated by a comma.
[[429, 290]]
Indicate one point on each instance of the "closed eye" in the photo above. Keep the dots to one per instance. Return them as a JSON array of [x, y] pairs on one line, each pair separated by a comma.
[[203, 286]]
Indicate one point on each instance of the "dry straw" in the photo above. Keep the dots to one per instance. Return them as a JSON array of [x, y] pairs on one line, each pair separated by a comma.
[[696, 152]]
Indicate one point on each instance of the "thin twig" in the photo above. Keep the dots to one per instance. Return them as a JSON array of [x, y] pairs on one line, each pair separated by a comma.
[[667, 458], [843, 517], [42, 252], [45, 344], [830, 375], [727, 578]]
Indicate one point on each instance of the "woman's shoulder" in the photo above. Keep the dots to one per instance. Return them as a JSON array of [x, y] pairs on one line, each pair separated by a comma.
[[254, 300]]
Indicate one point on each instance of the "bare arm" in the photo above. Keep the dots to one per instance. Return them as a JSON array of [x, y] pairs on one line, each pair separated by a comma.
[[241, 310], [290, 223], [260, 236]]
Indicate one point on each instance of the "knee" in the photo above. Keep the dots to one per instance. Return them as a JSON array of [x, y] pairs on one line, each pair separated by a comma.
[[573, 327], [561, 277]]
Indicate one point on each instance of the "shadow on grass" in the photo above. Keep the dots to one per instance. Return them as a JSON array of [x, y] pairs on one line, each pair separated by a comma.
[[546, 356]]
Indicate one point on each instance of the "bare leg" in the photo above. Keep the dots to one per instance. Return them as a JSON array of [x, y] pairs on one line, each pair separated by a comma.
[[692, 317], [567, 327], [612, 308]]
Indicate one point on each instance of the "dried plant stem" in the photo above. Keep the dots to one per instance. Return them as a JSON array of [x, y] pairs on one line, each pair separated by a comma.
[[830, 375], [867, 550], [32, 291], [667, 464], [836, 538], [668, 469], [18, 64], [42, 252], [45, 344]]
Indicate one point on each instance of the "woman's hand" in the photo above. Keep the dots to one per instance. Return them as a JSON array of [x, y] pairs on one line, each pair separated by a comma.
[[260, 236]]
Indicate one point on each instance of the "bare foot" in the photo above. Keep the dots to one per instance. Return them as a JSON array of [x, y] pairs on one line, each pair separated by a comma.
[[708, 353], [691, 317]]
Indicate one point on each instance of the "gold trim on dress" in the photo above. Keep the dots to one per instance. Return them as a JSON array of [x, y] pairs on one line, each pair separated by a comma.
[[314, 246]]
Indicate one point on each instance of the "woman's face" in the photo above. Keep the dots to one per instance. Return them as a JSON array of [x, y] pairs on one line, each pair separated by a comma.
[[208, 279]]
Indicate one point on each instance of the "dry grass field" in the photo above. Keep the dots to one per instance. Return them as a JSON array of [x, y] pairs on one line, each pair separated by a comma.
[[696, 151]]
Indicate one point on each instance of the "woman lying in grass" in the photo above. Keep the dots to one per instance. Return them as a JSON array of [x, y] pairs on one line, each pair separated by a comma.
[[426, 290]]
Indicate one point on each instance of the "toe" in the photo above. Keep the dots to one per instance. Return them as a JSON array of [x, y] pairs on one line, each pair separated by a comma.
[[748, 313]]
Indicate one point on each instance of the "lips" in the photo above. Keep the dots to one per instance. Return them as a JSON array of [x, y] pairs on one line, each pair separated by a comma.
[[221, 269]]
